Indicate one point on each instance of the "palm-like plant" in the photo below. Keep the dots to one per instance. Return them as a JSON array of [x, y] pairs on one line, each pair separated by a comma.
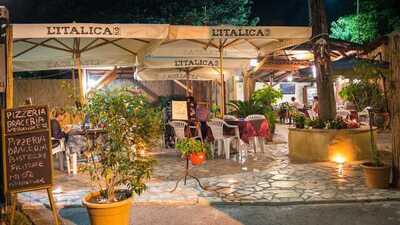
[[245, 108]]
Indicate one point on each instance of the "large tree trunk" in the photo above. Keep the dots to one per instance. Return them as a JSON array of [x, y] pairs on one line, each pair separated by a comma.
[[393, 88], [326, 94]]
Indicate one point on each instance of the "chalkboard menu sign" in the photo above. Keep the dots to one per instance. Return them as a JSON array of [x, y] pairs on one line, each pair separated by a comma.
[[26, 148]]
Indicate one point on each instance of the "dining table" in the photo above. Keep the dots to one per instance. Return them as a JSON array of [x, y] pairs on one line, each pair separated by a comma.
[[247, 129]]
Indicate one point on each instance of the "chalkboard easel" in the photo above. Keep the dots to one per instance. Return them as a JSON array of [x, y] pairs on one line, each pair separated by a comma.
[[27, 153]]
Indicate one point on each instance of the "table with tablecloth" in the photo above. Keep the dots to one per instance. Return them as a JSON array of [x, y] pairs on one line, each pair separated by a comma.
[[247, 129]]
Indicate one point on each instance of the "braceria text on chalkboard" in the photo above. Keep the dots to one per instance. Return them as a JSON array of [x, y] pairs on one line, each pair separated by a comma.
[[26, 119]]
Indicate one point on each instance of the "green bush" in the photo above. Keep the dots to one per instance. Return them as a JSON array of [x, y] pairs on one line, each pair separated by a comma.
[[267, 96], [364, 93]]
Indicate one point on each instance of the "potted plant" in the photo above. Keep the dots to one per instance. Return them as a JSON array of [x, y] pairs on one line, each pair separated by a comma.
[[377, 174], [299, 120], [193, 149], [119, 167]]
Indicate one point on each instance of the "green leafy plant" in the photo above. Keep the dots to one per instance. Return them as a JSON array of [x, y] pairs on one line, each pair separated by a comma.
[[267, 96], [188, 146], [214, 110], [131, 127], [271, 117], [245, 108], [336, 124], [316, 124], [299, 120], [364, 93]]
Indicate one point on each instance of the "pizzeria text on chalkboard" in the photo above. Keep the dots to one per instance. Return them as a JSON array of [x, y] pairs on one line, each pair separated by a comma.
[[27, 148]]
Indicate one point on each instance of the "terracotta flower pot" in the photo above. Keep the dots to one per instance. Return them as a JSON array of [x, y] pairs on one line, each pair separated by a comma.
[[109, 213], [376, 177], [197, 158]]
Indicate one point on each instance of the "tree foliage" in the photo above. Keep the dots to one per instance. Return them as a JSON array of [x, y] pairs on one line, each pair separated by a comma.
[[359, 29], [377, 17], [190, 12], [132, 126]]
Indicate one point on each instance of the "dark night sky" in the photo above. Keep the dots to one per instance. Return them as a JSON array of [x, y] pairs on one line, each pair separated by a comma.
[[295, 12], [270, 12]]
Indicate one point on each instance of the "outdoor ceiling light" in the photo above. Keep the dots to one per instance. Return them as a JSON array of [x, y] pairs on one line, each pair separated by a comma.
[[290, 78], [253, 62]]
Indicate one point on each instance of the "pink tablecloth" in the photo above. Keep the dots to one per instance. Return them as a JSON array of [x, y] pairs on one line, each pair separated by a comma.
[[251, 128]]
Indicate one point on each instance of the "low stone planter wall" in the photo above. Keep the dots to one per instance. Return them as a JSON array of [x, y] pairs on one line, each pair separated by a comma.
[[316, 145]]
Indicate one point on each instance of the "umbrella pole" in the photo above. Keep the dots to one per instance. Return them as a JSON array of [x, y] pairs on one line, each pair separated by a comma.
[[187, 83], [79, 69], [10, 77], [221, 58]]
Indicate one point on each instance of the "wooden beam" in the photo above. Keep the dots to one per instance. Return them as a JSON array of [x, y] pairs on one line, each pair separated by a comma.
[[180, 84], [10, 73], [106, 79]]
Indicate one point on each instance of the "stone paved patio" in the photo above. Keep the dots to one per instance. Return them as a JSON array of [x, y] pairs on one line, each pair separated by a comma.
[[270, 179]]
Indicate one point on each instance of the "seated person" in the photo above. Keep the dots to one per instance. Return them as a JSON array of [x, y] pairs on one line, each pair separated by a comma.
[[56, 131], [297, 105]]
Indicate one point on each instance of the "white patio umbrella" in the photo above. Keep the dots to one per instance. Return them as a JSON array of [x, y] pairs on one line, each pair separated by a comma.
[[75, 45], [228, 45]]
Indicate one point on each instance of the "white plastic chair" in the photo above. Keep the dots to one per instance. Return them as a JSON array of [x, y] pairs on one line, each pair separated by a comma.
[[217, 128], [230, 118], [257, 140], [59, 152], [179, 129]]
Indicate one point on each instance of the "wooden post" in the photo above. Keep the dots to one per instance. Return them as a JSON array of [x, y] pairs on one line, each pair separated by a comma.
[[221, 70], [320, 34], [10, 73], [188, 84], [80, 79], [245, 84], [393, 88]]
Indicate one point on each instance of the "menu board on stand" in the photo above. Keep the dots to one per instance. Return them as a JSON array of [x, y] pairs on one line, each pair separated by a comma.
[[26, 150]]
